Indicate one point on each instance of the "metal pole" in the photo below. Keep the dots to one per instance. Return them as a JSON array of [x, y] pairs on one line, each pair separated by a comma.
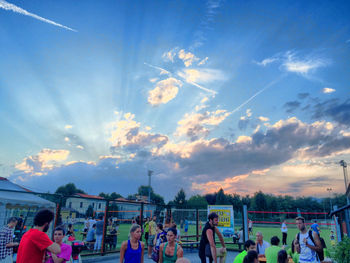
[[345, 171], [149, 185], [330, 200]]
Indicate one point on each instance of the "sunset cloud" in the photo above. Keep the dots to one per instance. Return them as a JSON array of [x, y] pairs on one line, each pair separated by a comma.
[[165, 91]]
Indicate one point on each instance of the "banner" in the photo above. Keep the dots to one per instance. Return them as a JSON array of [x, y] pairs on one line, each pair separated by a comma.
[[226, 219]]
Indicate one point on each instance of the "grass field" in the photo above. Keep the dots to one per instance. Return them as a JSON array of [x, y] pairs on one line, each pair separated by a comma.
[[268, 232]]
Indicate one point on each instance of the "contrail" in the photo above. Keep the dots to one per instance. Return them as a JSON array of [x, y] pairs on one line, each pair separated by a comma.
[[260, 91], [162, 71], [7, 6]]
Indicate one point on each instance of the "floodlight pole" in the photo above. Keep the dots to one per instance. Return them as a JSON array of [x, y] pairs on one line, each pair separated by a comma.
[[329, 190], [149, 185]]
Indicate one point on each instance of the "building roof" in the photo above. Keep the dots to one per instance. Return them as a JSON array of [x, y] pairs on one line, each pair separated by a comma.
[[89, 196]]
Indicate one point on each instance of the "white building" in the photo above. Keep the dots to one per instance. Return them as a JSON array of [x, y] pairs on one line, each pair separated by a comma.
[[81, 202]]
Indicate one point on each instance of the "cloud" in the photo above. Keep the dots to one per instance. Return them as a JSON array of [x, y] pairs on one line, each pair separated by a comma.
[[169, 56], [303, 95], [68, 127], [202, 75], [267, 61], [165, 91], [162, 71], [291, 106], [188, 58], [245, 120], [334, 109], [263, 119], [8, 6], [46, 159], [328, 90], [302, 66], [195, 125]]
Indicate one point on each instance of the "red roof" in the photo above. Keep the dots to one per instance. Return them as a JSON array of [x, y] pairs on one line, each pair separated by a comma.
[[89, 196]]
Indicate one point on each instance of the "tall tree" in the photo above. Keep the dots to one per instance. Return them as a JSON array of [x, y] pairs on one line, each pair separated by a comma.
[[211, 199], [68, 189], [180, 198], [221, 198], [197, 201]]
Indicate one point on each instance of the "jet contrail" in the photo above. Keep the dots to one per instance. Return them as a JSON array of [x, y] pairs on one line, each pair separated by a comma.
[[162, 71], [202, 88], [7, 6], [260, 91]]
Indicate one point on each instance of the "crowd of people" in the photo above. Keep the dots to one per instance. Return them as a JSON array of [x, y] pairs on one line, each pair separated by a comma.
[[163, 242]]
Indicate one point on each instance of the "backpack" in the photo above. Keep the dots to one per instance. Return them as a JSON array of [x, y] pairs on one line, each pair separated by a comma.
[[319, 254], [155, 252]]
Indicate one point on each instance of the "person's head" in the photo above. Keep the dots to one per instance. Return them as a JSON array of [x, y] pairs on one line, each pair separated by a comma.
[[154, 218], [275, 241], [135, 232], [259, 237], [300, 221], [171, 234], [94, 226], [160, 227], [183, 260], [174, 225], [70, 226], [249, 245], [21, 216], [43, 219], [58, 234], [251, 257], [167, 221], [213, 219], [12, 222], [282, 256], [284, 221]]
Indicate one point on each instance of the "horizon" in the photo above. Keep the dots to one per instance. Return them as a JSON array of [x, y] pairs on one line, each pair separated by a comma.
[[213, 94]]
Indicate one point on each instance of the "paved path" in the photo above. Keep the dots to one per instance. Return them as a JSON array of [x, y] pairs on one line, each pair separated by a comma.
[[191, 255]]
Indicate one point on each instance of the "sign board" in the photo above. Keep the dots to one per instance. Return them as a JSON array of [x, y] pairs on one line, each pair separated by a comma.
[[226, 219]]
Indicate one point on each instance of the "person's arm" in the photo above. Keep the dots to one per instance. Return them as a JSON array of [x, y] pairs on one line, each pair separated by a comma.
[[161, 253], [122, 251], [155, 240], [318, 245], [54, 248], [180, 252], [212, 244], [57, 259], [221, 238], [296, 244], [12, 244], [142, 251]]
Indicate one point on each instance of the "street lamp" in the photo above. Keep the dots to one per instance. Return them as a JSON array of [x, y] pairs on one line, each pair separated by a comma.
[[330, 200]]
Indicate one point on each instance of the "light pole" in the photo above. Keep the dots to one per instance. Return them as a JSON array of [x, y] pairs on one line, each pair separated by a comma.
[[330, 200], [149, 185], [345, 171]]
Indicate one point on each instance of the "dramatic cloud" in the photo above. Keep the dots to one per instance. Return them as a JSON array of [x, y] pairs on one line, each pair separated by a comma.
[[291, 106], [165, 91], [188, 58], [328, 90], [195, 125], [8, 6], [334, 109], [46, 159]]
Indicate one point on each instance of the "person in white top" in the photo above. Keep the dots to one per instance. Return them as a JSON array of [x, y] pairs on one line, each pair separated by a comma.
[[284, 230], [306, 245], [261, 244]]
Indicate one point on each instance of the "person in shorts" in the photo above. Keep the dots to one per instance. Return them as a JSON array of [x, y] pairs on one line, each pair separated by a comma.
[[152, 228]]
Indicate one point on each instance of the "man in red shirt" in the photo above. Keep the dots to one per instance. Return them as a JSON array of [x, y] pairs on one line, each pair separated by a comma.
[[34, 242]]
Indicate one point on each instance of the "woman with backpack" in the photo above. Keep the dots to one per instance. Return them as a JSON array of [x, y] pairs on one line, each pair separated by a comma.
[[170, 251]]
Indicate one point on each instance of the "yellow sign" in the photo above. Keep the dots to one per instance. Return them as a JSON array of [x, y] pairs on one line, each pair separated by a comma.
[[225, 214]]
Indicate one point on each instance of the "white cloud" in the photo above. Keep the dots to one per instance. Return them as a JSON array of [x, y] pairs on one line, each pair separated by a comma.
[[165, 91], [302, 66], [68, 127], [66, 139], [188, 58], [328, 90], [202, 75], [267, 61], [153, 80], [169, 56], [8, 6], [263, 119]]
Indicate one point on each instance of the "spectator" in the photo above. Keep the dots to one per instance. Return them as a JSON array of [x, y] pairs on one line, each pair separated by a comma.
[[90, 237], [70, 233], [240, 235], [261, 244], [248, 245], [272, 251], [99, 233], [146, 228], [6, 241], [66, 250], [284, 231], [34, 242], [152, 235], [170, 251], [20, 223], [282, 256], [251, 257], [132, 250], [92, 221], [250, 227]]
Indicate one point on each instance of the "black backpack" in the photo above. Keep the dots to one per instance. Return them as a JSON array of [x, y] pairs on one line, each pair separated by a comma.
[[319, 254]]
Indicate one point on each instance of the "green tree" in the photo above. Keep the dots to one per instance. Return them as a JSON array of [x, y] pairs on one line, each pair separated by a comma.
[[236, 202], [197, 201], [68, 189], [221, 198], [143, 190], [259, 201], [211, 199], [180, 198]]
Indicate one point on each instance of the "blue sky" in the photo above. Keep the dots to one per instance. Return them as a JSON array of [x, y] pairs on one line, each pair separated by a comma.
[[242, 95]]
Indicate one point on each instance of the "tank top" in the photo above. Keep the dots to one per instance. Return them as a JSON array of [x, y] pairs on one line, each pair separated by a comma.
[[204, 239], [166, 258], [307, 255], [133, 255]]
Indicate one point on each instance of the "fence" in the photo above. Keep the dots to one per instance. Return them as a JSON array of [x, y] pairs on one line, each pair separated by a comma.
[[113, 218]]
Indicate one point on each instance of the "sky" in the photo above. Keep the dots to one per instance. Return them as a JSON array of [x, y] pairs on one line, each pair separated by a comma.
[[239, 95]]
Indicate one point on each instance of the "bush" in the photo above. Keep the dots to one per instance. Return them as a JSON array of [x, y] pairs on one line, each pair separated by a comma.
[[342, 251]]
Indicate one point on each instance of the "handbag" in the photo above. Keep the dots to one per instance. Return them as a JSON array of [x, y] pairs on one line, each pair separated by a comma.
[[207, 250], [155, 255]]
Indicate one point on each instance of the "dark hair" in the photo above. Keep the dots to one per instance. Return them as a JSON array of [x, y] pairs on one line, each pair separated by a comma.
[[282, 256], [70, 225], [12, 219], [250, 257], [173, 230], [59, 228], [94, 225], [42, 217], [212, 215], [248, 243], [300, 218], [275, 241], [100, 217], [160, 226]]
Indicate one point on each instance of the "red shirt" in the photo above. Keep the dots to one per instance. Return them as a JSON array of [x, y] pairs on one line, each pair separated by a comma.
[[32, 247]]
